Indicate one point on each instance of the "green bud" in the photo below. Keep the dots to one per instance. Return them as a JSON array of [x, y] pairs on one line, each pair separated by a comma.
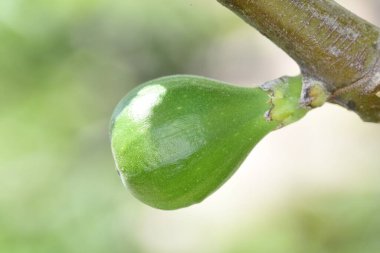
[[177, 139]]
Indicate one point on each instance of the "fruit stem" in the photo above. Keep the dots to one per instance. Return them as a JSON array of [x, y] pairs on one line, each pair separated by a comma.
[[285, 95]]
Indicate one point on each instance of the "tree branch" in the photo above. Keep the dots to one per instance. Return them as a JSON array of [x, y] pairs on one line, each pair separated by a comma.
[[333, 47]]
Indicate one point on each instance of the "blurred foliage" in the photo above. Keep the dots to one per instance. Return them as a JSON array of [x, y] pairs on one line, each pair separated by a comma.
[[63, 67], [327, 223]]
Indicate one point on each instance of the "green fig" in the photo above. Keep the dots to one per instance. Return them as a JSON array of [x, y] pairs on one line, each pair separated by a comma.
[[177, 139]]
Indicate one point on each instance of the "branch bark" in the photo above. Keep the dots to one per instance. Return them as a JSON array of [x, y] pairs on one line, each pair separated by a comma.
[[333, 47]]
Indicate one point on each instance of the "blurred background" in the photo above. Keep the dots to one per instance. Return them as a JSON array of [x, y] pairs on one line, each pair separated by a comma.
[[310, 187]]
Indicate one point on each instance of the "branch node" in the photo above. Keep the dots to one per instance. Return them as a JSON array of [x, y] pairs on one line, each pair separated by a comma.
[[314, 93]]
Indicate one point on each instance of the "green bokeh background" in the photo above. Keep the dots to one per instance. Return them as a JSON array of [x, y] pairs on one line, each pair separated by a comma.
[[64, 65]]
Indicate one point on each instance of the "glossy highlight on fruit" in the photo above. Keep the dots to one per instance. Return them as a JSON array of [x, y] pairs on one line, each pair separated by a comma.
[[177, 139]]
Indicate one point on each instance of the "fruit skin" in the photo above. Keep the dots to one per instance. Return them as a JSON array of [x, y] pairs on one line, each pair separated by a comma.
[[177, 139]]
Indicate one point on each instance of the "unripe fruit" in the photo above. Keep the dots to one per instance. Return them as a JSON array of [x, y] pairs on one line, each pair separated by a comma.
[[177, 139]]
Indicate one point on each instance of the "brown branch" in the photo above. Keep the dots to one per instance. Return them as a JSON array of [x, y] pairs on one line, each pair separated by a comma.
[[332, 46]]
